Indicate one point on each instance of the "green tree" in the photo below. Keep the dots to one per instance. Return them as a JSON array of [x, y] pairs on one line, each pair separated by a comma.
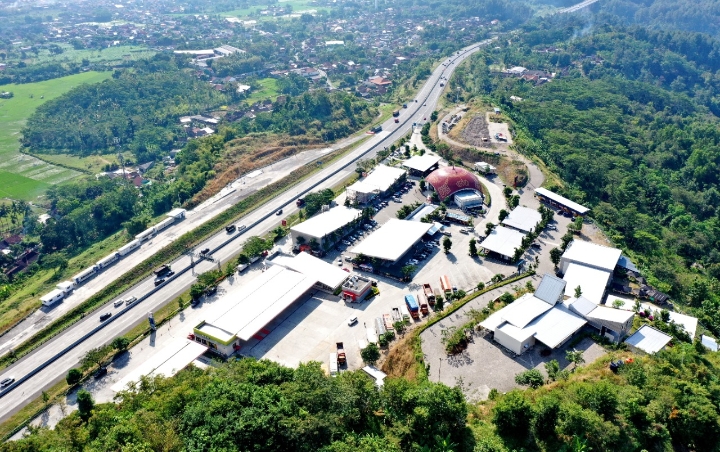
[[618, 303], [530, 377], [120, 343], [473, 247], [93, 357], [422, 185], [407, 271], [503, 214], [73, 376], [575, 357], [565, 240], [578, 291], [370, 354], [447, 244], [552, 368], [85, 404], [512, 415], [555, 255], [488, 228]]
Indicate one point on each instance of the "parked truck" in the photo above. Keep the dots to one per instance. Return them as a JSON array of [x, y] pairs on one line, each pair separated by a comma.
[[423, 305], [397, 317], [333, 364], [387, 320], [405, 313], [445, 285], [341, 358], [412, 306], [429, 294]]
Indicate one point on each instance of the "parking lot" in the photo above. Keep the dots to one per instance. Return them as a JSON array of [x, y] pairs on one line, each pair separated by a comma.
[[310, 328]]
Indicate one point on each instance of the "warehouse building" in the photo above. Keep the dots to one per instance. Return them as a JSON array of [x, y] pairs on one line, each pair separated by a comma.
[[523, 219], [503, 242], [593, 282], [561, 202], [329, 277], [421, 165], [537, 317], [381, 181], [590, 255], [614, 324], [392, 241], [325, 228], [242, 313]]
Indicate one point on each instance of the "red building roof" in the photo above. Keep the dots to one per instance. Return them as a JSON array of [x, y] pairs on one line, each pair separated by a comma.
[[448, 180]]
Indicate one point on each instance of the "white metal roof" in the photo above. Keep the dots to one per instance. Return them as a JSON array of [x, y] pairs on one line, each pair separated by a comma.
[[709, 342], [421, 162], [519, 334], [362, 186], [593, 255], [503, 241], [591, 280], [562, 200], [550, 289], [166, 362], [556, 325], [523, 218], [648, 339], [484, 166], [328, 274], [382, 177], [607, 314], [524, 310], [218, 333], [248, 308], [65, 285], [688, 323], [176, 213], [327, 222], [392, 240], [581, 305], [426, 210], [376, 374]]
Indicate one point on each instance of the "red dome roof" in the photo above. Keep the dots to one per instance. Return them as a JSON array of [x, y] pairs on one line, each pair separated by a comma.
[[448, 180]]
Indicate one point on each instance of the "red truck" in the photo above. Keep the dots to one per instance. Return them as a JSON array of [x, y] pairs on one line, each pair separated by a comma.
[[424, 308], [429, 294], [341, 358]]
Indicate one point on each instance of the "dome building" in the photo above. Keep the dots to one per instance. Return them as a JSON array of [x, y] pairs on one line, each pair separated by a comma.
[[457, 185]]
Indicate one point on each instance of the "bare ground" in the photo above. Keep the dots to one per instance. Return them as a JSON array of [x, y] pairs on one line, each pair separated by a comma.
[[473, 131]]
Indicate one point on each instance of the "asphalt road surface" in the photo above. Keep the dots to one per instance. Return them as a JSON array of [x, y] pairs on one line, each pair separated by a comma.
[[50, 363]]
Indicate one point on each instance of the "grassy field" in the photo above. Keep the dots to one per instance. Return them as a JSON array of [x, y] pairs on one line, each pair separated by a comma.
[[35, 174], [92, 163], [108, 55], [269, 90], [298, 6]]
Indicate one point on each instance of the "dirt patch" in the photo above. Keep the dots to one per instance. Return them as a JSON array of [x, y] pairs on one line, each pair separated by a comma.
[[513, 172], [246, 154], [472, 131], [400, 361]]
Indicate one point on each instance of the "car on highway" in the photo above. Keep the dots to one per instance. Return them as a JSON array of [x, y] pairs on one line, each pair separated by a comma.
[[279, 212], [130, 301], [10, 380], [159, 281], [119, 302], [230, 228], [205, 251], [104, 317]]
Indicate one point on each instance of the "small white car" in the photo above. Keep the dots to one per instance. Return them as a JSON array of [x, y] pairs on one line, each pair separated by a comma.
[[352, 320]]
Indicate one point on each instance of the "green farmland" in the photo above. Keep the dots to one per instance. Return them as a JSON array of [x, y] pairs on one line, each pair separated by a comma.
[[25, 177]]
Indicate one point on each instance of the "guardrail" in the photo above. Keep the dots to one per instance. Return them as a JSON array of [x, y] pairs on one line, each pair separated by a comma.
[[182, 271]]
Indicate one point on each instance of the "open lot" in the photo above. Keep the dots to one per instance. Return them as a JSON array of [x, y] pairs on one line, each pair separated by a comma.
[[35, 174]]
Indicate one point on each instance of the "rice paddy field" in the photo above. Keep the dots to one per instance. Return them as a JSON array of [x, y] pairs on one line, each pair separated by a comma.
[[22, 176]]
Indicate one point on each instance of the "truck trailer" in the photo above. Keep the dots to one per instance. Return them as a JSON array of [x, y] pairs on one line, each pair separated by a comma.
[[429, 294], [412, 306]]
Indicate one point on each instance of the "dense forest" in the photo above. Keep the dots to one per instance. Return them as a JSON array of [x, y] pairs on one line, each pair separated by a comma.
[[630, 125], [139, 107], [662, 403]]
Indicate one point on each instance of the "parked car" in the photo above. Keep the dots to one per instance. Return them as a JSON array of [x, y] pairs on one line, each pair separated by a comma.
[[339, 262], [464, 231], [104, 317], [352, 320], [552, 227], [535, 246], [101, 372]]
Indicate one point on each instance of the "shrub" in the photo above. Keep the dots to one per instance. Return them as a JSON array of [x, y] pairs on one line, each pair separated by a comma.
[[73, 376]]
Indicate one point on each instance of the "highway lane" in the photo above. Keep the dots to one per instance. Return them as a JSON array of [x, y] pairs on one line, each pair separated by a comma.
[[258, 221]]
